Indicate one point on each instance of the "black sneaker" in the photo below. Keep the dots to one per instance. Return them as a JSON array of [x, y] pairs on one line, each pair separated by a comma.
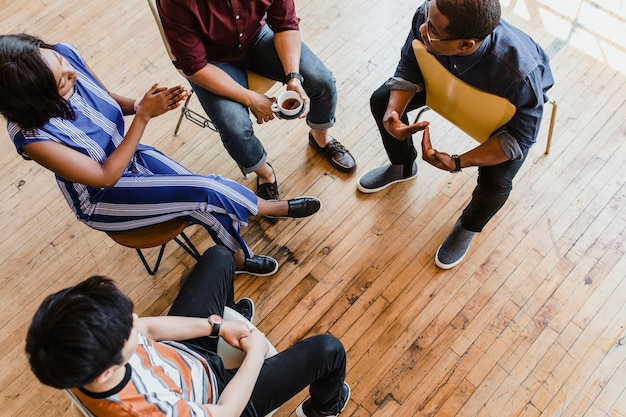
[[259, 265], [245, 307], [305, 410]]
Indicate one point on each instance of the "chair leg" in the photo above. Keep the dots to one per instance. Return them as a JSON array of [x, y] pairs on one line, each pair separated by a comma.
[[188, 246], [183, 110], [185, 244], [419, 113], [551, 130], [152, 271]]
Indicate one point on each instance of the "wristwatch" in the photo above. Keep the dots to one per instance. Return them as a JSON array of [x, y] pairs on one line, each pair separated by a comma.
[[457, 163], [294, 75], [216, 323]]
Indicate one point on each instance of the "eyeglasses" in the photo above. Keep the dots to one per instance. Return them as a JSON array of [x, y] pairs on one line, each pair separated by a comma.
[[429, 27]]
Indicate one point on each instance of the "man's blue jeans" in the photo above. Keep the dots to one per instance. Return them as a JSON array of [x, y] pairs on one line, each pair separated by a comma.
[[232, 119], [494, 182]]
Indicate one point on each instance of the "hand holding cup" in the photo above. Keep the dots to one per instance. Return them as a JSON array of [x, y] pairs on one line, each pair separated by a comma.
[[288, 105]]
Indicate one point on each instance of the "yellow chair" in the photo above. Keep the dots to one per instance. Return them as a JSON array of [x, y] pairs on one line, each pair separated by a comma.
[[475, 112], [231, 357], [256, 82]]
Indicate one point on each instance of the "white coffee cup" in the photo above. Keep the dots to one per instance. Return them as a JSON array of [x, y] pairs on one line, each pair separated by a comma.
[[288, 103]]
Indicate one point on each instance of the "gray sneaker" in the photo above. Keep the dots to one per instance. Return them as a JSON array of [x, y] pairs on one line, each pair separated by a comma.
[[455, 247], [382, 177]]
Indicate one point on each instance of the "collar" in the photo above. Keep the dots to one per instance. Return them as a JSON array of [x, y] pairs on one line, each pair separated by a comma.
[[461, 64], [112, 391]]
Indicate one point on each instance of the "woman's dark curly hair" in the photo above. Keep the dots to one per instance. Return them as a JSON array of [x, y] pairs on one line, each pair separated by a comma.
[[473, 19], [28, 91]]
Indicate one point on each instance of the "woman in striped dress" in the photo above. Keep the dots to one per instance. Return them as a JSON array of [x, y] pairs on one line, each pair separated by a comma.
[[60, 115]]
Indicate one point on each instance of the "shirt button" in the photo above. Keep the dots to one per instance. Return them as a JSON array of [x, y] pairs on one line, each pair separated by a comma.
[[237, 17], [241, 35]]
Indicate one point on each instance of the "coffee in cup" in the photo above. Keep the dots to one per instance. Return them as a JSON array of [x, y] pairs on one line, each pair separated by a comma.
[[288, 103]]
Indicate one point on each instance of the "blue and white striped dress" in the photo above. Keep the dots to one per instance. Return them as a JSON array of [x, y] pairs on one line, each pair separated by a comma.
[[153, 188]]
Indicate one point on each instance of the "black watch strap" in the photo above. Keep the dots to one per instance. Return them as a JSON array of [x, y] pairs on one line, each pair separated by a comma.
[[216, 323], [457, 163], [294, 75]]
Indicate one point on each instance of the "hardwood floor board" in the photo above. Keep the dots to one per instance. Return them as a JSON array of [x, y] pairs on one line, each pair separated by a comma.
[[530, 324], [608, 378], [483, 392]]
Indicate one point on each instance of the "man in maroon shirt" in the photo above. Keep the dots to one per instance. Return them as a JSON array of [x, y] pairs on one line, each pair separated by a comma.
[[215, 42]]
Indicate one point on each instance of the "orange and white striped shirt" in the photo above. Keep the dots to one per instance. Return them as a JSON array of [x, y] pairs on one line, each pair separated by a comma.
[[162, 379]]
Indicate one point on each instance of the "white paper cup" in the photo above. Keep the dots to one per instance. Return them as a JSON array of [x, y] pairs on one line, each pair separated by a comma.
[[288, 103]]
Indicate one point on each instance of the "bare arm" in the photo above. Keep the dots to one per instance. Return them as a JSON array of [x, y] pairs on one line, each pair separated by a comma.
[[183, 328], [238, 391], [486, 154], [77, 167], [398, 100], [289, 47], [218, 82]]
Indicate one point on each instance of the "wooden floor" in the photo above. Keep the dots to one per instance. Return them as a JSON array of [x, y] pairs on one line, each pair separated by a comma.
[[532, 323]]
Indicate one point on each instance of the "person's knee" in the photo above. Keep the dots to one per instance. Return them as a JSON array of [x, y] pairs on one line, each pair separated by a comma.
[[379, 100], [329, 346], [218, 255]]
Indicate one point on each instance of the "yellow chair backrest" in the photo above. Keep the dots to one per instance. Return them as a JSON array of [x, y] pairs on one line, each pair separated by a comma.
[[474, 111]]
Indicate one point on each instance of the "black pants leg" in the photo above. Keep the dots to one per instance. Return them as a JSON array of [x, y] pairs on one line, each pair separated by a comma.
[[400, 152], [207, 290], [318, 361], [494, 186]]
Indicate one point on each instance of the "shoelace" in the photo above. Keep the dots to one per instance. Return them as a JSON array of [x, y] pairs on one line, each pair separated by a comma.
[[335, 146]]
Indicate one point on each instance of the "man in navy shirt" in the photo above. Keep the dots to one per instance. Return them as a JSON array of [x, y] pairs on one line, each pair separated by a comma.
[[215, 42], [473, 43]]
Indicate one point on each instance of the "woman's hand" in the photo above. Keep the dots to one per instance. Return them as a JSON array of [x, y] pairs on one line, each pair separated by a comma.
[[159, 100]]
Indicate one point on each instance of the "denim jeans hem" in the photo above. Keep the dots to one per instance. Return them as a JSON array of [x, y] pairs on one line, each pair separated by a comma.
[[256, 166], [321, 126]]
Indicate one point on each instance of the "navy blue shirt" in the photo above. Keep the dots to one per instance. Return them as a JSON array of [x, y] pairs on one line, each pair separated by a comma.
[[508, 63]]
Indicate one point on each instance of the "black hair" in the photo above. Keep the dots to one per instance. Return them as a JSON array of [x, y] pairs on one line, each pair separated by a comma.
[[470, 18], [28, 91], [79, 332]]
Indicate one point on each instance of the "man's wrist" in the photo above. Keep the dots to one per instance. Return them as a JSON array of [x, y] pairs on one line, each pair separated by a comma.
[[457, 163], [294, 75], [216, 324]]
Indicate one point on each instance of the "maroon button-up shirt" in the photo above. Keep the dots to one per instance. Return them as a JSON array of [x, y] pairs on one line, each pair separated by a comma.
[[199, 31]]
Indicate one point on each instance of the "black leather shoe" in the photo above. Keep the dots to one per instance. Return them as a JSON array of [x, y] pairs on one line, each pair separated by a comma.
[[336, 153], [303, 207], [245, 307], [259, 265], [269, 190], [300, 207]]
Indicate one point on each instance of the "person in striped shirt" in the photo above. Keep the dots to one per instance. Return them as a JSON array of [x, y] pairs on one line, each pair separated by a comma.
[[87, 340], [60, 115]]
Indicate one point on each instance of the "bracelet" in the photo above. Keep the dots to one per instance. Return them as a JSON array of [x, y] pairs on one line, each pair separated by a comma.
[[137, 104]]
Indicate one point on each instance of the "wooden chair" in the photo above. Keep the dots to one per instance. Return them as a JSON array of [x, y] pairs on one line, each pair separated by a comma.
[[475, 112], [231, 357], [156, 235], [256, 82]]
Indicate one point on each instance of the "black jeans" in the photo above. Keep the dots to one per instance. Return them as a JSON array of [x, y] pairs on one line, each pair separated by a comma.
[[318, 361], [494, 182]]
